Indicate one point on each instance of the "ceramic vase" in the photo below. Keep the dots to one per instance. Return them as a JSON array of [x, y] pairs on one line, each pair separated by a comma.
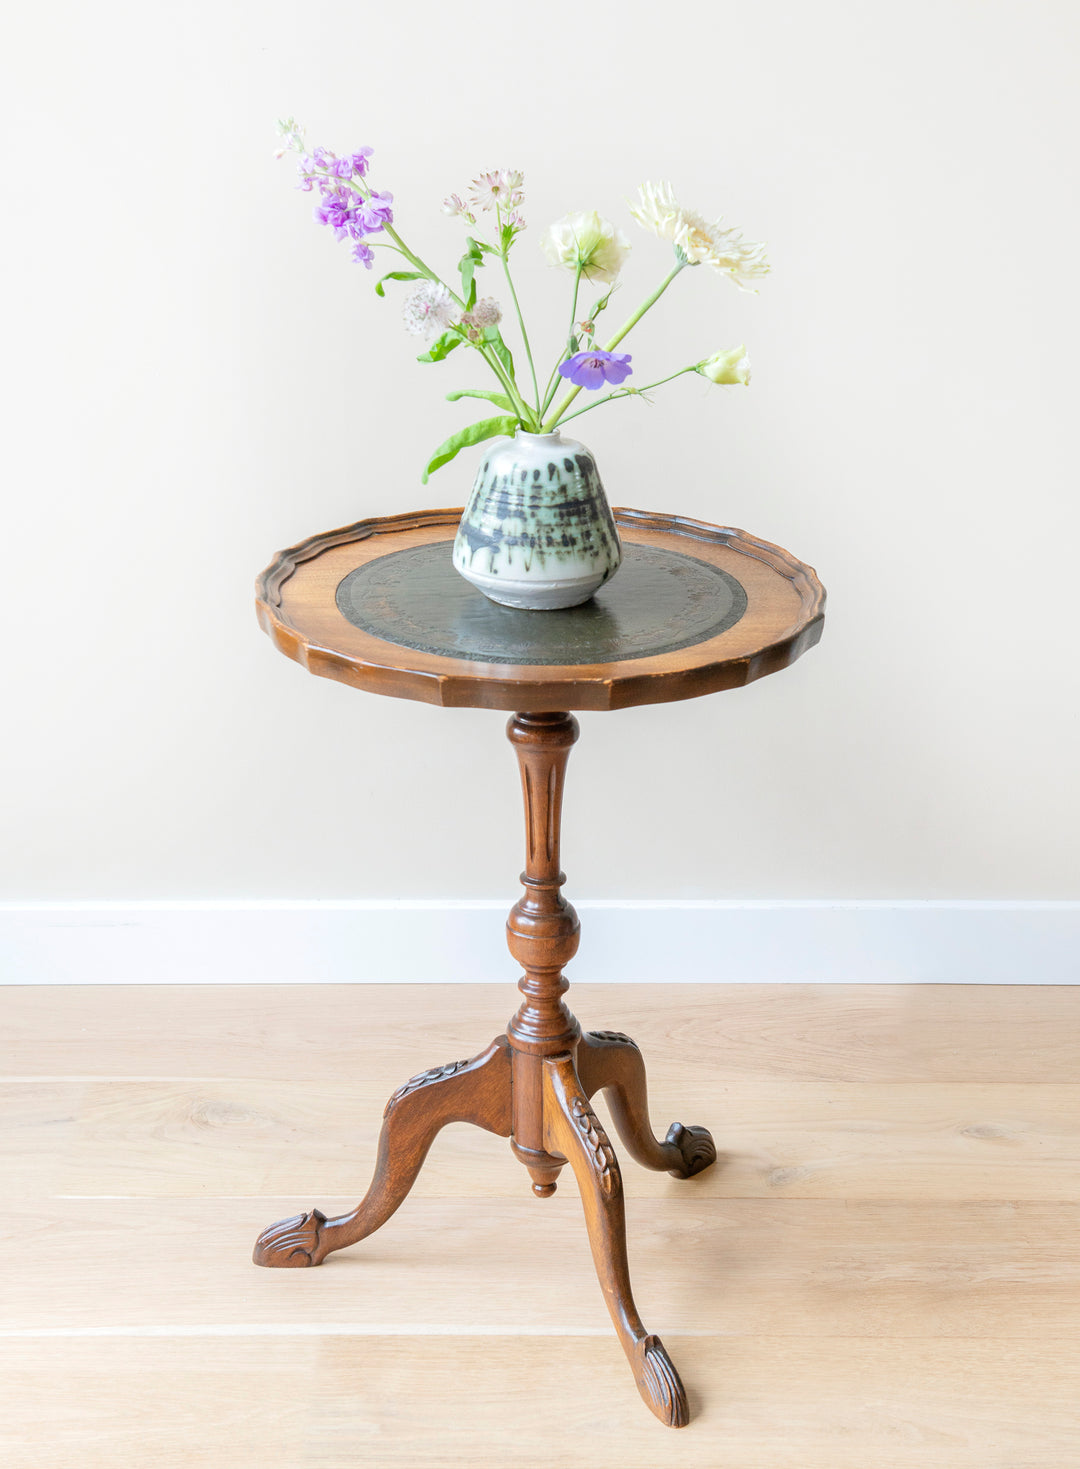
[[537, 532]]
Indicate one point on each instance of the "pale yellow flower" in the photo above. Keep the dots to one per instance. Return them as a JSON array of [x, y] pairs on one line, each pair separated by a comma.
[[588, 240], [703, 242], [727, 367], [658, 210]]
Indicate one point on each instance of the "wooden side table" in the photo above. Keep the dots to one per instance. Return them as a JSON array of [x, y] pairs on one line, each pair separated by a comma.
[[695, 608]]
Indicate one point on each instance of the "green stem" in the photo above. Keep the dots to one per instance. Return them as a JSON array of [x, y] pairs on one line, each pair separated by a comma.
[[553, 381], [629, 393], [560, 408], [504, 257], [527, 416]]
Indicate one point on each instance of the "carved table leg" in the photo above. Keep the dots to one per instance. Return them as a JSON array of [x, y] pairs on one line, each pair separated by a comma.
[[475, 1091], [571, 1129], [611, 1062]]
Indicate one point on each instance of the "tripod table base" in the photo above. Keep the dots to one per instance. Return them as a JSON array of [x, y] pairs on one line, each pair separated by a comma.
[[480, 1091]]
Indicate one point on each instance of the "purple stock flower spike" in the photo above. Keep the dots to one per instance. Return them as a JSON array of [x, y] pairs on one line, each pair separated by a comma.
[[594, 369], [374, 212]]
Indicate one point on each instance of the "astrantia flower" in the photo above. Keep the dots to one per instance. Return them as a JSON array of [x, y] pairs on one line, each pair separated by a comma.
[[455, 207], [594, 369], [701, 241], [588, 240], [429, 309], [503, 187], [487, 312], [727, 367]]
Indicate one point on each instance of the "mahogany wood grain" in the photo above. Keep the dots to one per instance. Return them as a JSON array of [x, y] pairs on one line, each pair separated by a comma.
[[534, 1084], [295, 602], [526, 1087], [609, 1061], [476, 1091]]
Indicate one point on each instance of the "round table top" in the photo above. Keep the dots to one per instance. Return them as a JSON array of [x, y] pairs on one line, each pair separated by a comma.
[[693, 608]]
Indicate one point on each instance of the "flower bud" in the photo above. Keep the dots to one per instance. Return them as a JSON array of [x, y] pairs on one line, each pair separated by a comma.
[[727, 367]]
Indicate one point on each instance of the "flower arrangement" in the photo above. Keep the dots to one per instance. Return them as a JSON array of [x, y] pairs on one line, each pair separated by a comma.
[[584, 244]]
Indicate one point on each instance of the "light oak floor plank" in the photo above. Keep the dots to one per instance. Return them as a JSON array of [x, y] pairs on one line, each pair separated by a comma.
[[884, 1271], [454, 1403], [234, 1137], [993, 1033], [792, 1267]]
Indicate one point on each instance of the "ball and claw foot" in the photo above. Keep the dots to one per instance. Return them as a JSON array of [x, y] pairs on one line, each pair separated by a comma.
[[696, 1146], [292, 1243]]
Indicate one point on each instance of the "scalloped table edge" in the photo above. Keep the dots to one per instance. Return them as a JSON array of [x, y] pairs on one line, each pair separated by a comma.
[[480, 690]]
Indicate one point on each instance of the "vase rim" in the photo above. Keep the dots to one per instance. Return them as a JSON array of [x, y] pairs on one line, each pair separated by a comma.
[[524, 433]]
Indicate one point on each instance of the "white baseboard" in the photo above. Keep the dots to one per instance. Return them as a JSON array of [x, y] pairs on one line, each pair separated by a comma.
[[369, 942]]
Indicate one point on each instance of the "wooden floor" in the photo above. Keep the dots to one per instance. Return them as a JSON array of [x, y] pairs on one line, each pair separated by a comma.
[[883, 1270]]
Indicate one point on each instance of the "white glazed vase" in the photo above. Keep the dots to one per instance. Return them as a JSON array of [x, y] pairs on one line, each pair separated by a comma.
[[537, 532]]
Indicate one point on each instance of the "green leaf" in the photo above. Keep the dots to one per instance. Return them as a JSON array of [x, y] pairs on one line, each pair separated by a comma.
[[499, 399], [441, 347], [476, 433], [397, 275], [493, 338], [467, 265]]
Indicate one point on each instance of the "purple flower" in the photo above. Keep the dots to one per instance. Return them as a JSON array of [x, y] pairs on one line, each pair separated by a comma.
[[336, 210], [359, 162], [363, 254], [594, 369], [374, 211]]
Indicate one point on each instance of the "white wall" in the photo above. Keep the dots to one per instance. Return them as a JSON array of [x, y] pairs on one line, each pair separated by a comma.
[[201, 377]]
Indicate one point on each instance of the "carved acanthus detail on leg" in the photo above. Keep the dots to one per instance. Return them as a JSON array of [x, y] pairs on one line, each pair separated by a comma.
[[600, 1150], [572, 1131], [424, 1078]]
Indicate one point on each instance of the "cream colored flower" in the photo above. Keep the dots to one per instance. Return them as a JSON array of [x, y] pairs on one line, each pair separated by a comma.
[[702, 241], [658, 210], [727, 367], [588, 240]]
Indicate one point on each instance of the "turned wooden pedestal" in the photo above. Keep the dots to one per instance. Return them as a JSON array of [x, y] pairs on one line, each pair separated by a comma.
[[696, 608]]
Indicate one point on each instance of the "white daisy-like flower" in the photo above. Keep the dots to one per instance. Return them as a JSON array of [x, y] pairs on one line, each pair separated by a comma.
[[503, 186], [658, 210], [702, 241], [430, 309], [732, 366], [588, 240]]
